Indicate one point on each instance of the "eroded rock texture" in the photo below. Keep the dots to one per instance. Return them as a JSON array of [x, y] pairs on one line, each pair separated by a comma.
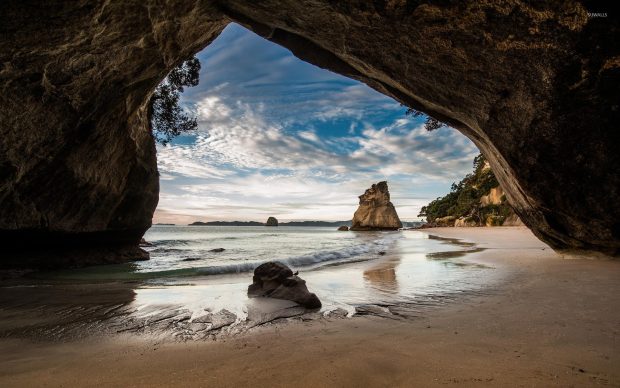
[[375, 210], [77, 161], [276, 280], [533, 84]]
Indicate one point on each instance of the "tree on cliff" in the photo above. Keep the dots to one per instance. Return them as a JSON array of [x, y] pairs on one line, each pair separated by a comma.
[[430, 124], [463, 200], [167, 117]]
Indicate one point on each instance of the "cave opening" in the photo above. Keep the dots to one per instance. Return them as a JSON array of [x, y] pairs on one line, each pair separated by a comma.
[[279, 136]]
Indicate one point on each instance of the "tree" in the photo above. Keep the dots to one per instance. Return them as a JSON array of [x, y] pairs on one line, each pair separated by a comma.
[[430, 124], [463, 200], [167, 117]]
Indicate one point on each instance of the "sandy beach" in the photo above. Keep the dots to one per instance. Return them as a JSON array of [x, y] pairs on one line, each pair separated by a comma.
[[555, 321]]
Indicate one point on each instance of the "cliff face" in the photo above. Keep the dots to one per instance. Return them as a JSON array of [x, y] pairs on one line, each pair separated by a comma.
[[534, 85], [375, 211], [477, 200], [78, 172], [493, 198]]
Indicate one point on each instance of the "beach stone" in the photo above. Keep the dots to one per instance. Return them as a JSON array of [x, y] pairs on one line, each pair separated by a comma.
[[217, 250], [276, 280], [222, 318], [375, 211], [144, 243], [206, 318], [337, 313], [343, 228]]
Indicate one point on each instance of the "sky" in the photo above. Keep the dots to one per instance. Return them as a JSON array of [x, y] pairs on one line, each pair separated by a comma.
[[281, 137]]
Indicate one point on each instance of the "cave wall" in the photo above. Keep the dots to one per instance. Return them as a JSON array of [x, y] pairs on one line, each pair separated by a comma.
[[534, 85], [77, 162]]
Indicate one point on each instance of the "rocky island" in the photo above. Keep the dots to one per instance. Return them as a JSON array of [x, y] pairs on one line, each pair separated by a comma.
[[375, 211], [271, 221]]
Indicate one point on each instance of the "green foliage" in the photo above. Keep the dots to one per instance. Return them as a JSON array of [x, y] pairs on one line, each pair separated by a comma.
[[430, 124], [168, 119], [463, 200]]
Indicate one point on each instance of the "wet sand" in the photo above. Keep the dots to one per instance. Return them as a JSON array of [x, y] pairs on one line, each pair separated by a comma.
[[553, 322]]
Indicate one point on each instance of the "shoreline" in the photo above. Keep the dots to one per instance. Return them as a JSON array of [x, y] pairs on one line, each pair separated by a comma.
[[398, 284], [553, 323]]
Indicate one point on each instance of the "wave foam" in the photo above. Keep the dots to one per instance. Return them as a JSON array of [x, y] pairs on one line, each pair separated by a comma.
[[341, 256]]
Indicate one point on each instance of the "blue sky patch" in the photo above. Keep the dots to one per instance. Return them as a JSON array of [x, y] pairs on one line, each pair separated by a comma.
[[280, 137]]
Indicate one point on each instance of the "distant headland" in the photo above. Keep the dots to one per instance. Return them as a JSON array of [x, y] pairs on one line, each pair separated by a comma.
[[256, 223], [292, 223]]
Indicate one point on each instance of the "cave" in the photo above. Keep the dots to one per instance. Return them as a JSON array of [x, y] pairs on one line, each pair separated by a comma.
[[533, 85]]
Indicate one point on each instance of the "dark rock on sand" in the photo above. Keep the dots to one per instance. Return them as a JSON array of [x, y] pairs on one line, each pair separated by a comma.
[[216, 250], [375, 211], [271, 221], [144, 243], [276, 280], [343, 228]]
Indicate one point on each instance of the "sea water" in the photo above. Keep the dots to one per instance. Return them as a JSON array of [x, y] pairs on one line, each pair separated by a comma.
[[198, 270], [194, 250], [345, 269], [207, 269]]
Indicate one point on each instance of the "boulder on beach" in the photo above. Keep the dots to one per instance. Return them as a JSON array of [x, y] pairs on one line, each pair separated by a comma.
[[343, 228], [276, 280], [216, 250], [271, 221], [144, 243], [375, 211]]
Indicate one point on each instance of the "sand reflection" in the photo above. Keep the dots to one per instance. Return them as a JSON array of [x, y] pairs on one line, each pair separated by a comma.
[[382, 276]]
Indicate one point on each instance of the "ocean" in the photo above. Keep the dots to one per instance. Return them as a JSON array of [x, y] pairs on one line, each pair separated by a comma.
[[193, 250], [345, 269], [204, 271]]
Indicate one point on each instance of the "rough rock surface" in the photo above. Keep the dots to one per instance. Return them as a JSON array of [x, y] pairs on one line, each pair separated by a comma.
[[375, 211], [512, 220], [343, 228], [465, 222], [445, 221], [493, 198], [275, 280], [271, 221], [77, 160], [533, 84]]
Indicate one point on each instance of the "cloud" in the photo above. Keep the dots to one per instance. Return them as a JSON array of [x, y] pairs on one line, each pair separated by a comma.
[[281, 137]]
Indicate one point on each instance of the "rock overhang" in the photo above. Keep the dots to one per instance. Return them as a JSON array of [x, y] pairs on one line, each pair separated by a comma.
[[531, 84]]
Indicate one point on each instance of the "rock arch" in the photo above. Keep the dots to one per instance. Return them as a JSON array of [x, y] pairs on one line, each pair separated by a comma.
[[535, 86]]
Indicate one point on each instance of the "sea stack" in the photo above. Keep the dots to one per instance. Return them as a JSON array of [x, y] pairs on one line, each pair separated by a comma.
[[375, 211], [271, 221]]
